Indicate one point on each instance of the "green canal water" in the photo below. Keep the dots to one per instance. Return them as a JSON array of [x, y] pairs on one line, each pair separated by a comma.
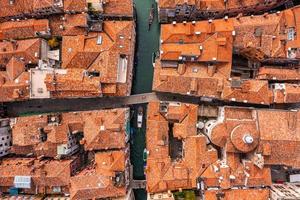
[[147, 44]]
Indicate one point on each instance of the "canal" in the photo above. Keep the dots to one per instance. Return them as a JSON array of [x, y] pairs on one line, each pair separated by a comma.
[[147, 43]]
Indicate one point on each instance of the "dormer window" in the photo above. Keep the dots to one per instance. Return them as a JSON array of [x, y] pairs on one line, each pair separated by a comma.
[[54, 119], [99, 40], [291, 34], [11, 2]]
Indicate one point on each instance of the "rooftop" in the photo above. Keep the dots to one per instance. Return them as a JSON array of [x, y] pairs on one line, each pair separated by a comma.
[[96, 64], [232, 59], [20, 9], [47, 134], [106, 178], [42, 173], [188, 10], [273, 132], [187, 147], [170, 167]]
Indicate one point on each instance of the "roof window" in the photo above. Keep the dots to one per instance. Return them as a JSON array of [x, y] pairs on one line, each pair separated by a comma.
[[99, 40], [291, 34]]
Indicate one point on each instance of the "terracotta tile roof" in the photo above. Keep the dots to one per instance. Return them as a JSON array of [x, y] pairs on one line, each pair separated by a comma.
[[94, 186], [20, 7], [14, 56], [83, 52], [46, 173], [189, 10], [26, 50], [98, 182], [73, 83], [278, 142], [27, 139], [28, 8], [110, 162], [207, 41], [234, 172], [41, 4], [75, 5], [118, 8], [68, 25], [259, 194], [14, 82], [211, 4], [110, 129], [101, 130], [196, 58], [87, 57], [251, 91], [287, 93], [268, 73], [36, 8], [266, 33], [23, 29], [163, 173], [274, 143], [80, 46]]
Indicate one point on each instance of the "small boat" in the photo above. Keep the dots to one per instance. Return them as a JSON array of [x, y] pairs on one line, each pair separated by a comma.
[[151, 17], [140, 117]]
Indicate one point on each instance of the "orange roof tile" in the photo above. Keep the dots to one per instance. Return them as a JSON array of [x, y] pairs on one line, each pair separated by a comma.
[[101, 130], [73, 83], [118, 8], [43, 173], [196, 58], [251, 91], [68, 25], [28, 8], [188, 10], [75, 5], [212, 5], [266, 33], [268, 73], [87, 57], [94, 53], [14, 56], [276, 134], [163, 173], [23, 29], [99, 183], [26, 50], [245, 194]]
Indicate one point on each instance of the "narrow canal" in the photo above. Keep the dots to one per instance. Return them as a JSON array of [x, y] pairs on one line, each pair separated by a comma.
[[147, 44]]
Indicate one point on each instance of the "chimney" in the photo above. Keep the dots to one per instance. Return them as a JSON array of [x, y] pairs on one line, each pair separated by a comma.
[[15, 44]]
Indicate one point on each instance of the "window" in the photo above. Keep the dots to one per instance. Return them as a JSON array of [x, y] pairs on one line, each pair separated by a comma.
[[258, 32], [195, 69], [291, 34], [56, 189], [99, 40]]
